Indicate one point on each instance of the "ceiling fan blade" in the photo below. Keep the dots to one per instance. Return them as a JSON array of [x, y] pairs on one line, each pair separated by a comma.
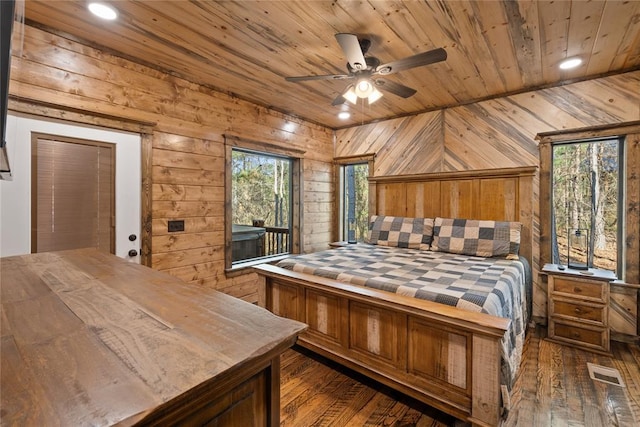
[[324, 77], [395, 88], [424, 58], [339, 100], [351, 48]]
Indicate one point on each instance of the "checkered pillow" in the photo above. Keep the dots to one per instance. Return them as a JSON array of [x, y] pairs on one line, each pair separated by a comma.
[[477, 238], [401, 232]]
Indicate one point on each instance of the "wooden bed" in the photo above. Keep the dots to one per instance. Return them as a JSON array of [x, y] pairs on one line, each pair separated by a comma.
[[441, 355]]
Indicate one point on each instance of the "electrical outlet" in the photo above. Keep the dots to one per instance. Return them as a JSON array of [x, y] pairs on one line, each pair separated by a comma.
[[175, 225]]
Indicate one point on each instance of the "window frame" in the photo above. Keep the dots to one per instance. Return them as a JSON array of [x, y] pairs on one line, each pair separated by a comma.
[[620, 140], [339, 164], [268, 149], [630, 133]]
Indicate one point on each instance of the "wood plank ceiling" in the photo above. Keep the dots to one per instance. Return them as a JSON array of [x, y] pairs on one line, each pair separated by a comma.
[[247, 48]]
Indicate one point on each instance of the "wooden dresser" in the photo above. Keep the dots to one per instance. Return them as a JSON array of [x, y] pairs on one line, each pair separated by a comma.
[[578, 307], [89, 339]]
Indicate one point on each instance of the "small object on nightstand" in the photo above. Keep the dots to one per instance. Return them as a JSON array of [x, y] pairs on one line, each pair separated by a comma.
[[351, 232], [578, 250], [561, 267]]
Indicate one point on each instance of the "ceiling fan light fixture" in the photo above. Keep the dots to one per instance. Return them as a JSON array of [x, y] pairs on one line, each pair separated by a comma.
[[344, 115], [364, 88], [375, 95], [350, 95], [570, 63]]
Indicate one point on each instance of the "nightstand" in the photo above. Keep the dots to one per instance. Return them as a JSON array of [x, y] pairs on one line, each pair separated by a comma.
[[578, 307]]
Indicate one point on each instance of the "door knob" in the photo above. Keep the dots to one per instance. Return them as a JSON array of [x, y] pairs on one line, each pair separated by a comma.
[[133, 253]]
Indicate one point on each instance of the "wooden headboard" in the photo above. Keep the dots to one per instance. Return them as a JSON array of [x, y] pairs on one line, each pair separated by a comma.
[[490, 194]]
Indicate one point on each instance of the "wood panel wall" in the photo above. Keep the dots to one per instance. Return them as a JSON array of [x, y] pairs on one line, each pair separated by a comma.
[[407, 145], [497, 133], [63, 78]]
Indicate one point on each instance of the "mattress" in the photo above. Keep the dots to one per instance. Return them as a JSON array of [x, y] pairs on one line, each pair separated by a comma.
[[494, 286]]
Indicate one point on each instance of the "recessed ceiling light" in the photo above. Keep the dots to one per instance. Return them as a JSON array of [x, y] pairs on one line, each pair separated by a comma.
[[103, 11], [567, 64], [344, 115]]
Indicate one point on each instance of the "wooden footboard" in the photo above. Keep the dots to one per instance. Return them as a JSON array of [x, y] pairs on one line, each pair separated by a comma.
[[445, 357]]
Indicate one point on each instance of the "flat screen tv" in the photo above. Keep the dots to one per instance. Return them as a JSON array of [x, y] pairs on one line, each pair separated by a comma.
[[7, 14]]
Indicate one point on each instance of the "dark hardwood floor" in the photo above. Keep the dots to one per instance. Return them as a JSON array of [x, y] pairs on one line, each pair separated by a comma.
[[552, 389]]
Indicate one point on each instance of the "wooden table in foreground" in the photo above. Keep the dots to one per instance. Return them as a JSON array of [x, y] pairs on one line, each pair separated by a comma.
[[89, 339]]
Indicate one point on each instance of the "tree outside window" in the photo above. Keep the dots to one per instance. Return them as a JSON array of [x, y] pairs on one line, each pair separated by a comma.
[[355, 201]]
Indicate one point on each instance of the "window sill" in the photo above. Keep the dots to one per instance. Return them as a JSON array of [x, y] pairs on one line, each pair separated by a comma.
[[246, 267], [622, 284], [593, 273]]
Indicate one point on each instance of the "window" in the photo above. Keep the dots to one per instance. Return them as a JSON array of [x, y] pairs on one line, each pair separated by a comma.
[[587, 203], [263, 201], [353, 179], [72, 194], [261, 205]]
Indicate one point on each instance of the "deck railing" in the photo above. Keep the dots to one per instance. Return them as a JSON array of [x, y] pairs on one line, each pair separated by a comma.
[[276, 240]]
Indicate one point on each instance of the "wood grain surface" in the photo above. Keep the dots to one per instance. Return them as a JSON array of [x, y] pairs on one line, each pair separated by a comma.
[[248, 48], [553, 388], [89, 339], [445, 357]]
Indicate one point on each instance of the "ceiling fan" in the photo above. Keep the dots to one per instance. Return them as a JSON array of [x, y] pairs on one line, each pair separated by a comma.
[[366, 71]]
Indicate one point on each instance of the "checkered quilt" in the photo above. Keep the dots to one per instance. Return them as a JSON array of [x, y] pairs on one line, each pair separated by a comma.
[[495, 286]]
